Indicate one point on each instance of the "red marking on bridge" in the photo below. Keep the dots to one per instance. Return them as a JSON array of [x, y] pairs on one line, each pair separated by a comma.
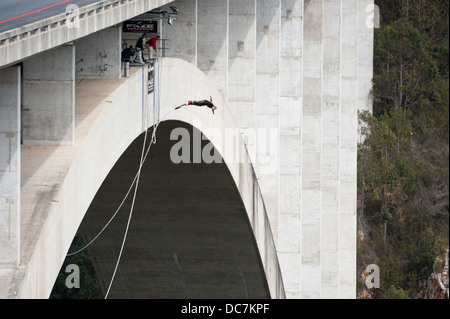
[[42, 9]]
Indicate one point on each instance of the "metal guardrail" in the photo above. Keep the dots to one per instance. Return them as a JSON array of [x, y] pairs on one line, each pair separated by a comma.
[[15, 44], [60, 20]]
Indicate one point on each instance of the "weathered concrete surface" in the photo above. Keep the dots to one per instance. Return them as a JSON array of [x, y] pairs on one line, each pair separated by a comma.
[[242, 65], [183, 39], [10, 102], [212, 56], [48, 118], [98, 55]]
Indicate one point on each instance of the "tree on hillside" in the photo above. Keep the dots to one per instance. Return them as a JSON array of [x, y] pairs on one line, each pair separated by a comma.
[[403, 161]]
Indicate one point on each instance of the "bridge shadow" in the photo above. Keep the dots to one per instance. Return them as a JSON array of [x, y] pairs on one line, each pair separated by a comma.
[[189, 235]]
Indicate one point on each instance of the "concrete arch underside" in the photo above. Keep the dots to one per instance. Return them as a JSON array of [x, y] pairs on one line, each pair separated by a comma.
[[59, 183], [189, 235]]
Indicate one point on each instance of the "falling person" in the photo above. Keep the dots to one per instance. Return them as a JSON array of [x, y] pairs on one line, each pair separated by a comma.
[[201, 103]]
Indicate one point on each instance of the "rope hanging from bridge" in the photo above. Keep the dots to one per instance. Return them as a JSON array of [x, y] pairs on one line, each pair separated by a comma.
[[153, 141], [156, 115], [144, 154], [131, 211]]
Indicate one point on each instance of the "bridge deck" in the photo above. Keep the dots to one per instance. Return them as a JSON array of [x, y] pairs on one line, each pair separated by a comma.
[[15, 16]]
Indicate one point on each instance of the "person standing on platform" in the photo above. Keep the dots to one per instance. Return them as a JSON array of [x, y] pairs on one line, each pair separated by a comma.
[[140, 45], [153, 48], [127, 55]]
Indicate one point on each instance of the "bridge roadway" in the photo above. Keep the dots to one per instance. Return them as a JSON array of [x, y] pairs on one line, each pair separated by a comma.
[[34, 27], [14, 14]]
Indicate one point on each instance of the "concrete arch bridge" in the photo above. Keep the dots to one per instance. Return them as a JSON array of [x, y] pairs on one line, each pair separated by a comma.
[[274, 169]]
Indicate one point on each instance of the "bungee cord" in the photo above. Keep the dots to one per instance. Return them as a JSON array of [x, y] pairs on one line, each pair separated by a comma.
[[144, 154], [153, 141]]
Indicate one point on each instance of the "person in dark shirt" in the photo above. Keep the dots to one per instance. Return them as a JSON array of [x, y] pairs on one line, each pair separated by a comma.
[[127, 53], [204, 102], [140, 45]]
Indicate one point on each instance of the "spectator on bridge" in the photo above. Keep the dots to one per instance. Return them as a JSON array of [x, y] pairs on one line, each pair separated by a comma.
[[140, 46], [127, 54], [152, 44], [204, 102]]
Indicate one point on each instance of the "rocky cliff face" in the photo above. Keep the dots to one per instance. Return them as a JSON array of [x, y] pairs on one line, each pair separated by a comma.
[[437, 285]]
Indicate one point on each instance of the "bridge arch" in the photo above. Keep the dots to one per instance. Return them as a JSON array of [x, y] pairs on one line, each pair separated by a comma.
[[110, 115], [189, 236]]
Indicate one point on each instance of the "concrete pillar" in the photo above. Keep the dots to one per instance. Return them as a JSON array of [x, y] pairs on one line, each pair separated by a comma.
[[330, 161], [212, 42], [10, 166], [268, 37], [99, 54], [182, 35], [311, 149], [368, 19], [241, 63], [48, 93], [289, 217], [348, 151]]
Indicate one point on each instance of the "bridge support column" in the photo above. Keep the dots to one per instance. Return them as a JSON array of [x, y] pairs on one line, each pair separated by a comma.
[[368, 20], [212, 42], [310, 283], [289, 215], [348, 137], [182, 35], [242, 66], [48, 91], [99, 54], [330, 150], [268, 37], [10, 166]]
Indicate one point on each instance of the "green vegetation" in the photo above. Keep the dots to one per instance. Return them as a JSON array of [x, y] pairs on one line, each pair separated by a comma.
[[403, 174], [89, 285]]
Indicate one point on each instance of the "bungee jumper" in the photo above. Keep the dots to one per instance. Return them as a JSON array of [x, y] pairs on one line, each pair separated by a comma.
[[209, 104]]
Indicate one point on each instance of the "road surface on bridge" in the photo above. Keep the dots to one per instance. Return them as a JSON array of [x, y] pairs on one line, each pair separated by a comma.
[[15, 14]]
